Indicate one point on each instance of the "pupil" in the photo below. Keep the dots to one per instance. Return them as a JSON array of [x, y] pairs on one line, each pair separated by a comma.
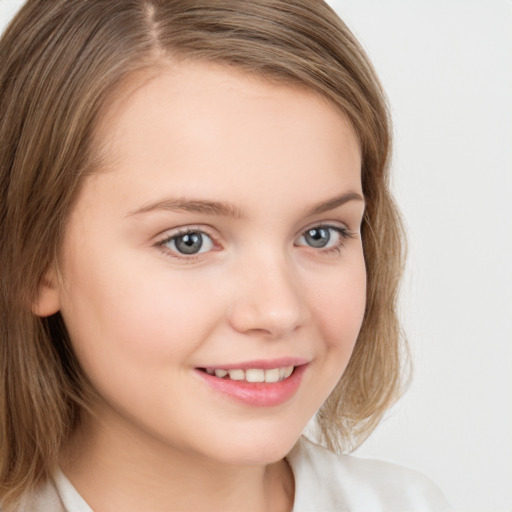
[[189, 244], [318, 237]]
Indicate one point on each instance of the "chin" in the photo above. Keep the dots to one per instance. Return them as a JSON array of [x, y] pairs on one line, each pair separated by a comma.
[[257, 448]]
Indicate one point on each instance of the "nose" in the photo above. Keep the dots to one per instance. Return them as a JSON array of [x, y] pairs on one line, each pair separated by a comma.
[[267, 298]]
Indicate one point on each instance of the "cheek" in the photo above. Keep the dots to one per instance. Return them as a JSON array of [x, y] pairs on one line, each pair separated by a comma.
[[144, 320], [340, 308]]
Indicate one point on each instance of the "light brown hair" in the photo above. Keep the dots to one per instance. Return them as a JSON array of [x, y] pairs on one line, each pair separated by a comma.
[[60, 62]]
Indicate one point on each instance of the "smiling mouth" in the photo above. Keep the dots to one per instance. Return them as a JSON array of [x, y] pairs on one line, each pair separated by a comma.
[[252, 374], [257, 383]]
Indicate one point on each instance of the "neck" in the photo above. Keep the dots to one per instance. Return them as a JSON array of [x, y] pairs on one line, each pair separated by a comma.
[[114, 470]]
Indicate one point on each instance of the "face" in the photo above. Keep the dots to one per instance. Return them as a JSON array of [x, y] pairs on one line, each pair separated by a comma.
[[223, 237]]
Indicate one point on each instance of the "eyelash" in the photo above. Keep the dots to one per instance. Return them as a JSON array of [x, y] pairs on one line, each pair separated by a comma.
[[344, 235], [161, 244]]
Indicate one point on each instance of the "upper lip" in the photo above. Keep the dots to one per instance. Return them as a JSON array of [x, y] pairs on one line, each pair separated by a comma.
[[264, 364]]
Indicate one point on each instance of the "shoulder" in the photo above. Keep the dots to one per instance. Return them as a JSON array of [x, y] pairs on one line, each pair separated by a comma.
[[44, 498], [327, 481], [56, 494]]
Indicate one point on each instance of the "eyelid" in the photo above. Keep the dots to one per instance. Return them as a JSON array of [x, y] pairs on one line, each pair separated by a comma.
[[170, 234], [342, 231], [340, 228], [183, 230], [336, 224]]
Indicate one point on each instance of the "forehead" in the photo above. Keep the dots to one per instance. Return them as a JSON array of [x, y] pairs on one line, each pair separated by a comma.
[[206, 128], [196, 93]]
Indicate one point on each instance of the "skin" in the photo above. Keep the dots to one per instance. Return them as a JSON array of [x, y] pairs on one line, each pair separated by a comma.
[[142, 317]]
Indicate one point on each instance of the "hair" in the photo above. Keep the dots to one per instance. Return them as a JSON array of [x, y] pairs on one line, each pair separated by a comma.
[[61, 63]]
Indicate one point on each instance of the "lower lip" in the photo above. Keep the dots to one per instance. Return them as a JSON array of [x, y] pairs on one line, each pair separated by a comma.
[[257, 394]]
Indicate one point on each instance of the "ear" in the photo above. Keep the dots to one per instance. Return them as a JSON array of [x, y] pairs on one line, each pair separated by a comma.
[[47, 301]]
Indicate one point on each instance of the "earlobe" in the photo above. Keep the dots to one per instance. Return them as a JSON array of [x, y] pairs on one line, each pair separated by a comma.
[[47, 301]]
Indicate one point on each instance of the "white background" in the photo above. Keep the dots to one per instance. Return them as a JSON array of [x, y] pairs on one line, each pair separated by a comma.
[[447, 69]]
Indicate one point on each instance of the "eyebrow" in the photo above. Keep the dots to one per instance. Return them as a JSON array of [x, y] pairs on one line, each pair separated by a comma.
[[200, 206], [222, 209], [335, 202]]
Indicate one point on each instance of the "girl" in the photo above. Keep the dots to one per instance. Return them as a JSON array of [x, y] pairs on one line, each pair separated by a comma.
[[199, 254]]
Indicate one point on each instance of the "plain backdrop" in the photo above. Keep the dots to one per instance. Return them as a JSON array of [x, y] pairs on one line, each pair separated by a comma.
[[447, 68]]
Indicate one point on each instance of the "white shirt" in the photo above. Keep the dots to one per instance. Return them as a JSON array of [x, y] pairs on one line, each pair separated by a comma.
[[324, 482]]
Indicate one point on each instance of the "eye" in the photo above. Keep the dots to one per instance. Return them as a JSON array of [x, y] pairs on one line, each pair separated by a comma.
[[324, 237], [317, 237], [188, 243]]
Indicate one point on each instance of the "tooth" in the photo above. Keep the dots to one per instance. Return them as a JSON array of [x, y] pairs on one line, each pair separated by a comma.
[[288, 371], [236, 374], [281, 373], [272, 375], [255, 375], [220, 373], [209, 371]]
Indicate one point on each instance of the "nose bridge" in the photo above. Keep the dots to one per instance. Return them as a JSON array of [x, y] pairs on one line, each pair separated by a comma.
[[267, 296]]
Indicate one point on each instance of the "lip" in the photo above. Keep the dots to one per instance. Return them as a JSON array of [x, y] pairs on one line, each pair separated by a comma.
[[258, 394], [263, 364]]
